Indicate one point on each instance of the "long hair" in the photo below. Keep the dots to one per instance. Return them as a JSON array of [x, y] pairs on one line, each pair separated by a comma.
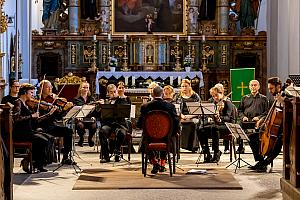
[[187, 81], [80, 88]]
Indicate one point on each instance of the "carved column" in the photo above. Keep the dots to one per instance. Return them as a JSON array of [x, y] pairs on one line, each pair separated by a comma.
[[3, 28], [223, 17], [74, 19]]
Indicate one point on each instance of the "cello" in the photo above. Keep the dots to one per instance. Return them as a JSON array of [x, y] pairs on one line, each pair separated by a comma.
[[270, 129]]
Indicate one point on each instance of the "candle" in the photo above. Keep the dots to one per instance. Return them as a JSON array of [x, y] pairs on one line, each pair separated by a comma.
[[177, 37], [126, 80], [189, 38], [109, 36], [179, 80], [94, 37], [171, 80], [125, 36], [133, 81], [203, 38]]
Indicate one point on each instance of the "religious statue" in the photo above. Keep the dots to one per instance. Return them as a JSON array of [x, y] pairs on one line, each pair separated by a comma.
[[149, 23], [88, 54], [89, 10], [149, 54], [207, 54], [248, 12], [51, 12], [192, 17]]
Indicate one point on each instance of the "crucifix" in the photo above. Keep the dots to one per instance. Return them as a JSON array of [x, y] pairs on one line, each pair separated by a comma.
[[242, 87]]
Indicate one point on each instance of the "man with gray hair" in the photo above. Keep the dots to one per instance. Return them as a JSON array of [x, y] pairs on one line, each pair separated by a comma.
[[158, 104]]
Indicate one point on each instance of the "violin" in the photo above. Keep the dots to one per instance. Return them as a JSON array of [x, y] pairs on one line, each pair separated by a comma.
[[220, 106], [33, 104], [62, 103]]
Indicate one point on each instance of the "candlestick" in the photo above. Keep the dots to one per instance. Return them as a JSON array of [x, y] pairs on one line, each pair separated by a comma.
[[189, 38], [179, 80], [125, 36], [171, 80], [177, 37], [109, 36], [94, 37], [133, 81], [203, 38], [126, 80]]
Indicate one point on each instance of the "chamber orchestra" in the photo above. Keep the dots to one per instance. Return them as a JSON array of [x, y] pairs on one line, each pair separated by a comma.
[[38, 117]]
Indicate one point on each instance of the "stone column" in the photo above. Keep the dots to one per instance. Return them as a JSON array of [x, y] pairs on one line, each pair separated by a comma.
[[223, 20], [74, 18]]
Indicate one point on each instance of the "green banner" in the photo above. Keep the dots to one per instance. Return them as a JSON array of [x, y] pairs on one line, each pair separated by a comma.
[[240, 79]]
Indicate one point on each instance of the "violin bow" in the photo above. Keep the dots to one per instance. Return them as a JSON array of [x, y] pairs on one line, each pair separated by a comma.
[[40, 95], [61, 89]]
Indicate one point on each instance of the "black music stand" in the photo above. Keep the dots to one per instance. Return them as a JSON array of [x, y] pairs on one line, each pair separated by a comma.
[[201, 110], [295, 79], [238, 133], [115, 112]]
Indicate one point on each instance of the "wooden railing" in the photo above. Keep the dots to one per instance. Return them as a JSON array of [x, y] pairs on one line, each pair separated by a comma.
[[290, 182], [7, 161]]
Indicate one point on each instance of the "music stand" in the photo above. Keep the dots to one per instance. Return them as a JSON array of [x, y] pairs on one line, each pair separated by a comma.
[[238, 133], [202, 110], [115, 112]]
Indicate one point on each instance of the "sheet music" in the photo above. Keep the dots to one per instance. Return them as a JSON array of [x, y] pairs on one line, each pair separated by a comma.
[[177, 107], [85, 110], [195, 108], [293, 91], [132, 111], [72, 112]]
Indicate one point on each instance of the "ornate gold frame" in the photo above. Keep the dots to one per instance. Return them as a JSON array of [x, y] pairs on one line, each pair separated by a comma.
[[184, 21]]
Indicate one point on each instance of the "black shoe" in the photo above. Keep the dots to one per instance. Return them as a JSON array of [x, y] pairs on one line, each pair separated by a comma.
[[254, 167], [155, 169], [162, 169], [91, 143], [216, 157], [41, 169], [240, 151], [117, 158], [261, 168], [80, 142], [68, 161], [104, 160]]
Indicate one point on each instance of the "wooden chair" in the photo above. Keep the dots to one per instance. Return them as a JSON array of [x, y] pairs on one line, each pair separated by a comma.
[[27, 154], [68, 85], [157, 136]]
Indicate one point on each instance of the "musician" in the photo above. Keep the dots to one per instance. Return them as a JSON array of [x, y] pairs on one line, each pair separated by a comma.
[[50, 126], [84, 97], [150, 91], [188, 138], [24, 121], [112, 133], [274, 87], [253, 107], [224, 109], [122, 98], [169, 94], [13, 95], [158, 104]]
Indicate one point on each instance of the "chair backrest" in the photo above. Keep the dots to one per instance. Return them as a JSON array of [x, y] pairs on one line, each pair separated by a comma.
[[157, 125], [69, 85]]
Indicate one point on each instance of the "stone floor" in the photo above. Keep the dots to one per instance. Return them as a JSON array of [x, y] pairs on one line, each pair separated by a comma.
[[58, 185]]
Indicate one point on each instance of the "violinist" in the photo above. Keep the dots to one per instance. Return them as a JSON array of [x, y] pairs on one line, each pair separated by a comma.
[[84, 97], [23, 127], [275, 89], [253, 107], [188, 136], [13, 95], [112, 133], [224, 109], [150, 88], [50, 125], [169, 94], [122, 98]]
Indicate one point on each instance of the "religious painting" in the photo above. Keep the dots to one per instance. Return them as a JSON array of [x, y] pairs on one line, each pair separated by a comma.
[[132, 17], [88, 54]]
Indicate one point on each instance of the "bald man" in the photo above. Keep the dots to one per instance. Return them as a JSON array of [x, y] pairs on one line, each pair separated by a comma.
[[253, 106]]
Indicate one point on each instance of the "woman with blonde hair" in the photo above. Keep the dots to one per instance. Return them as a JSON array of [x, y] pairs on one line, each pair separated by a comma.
[[84, 97], [168, 93], [188, 136]]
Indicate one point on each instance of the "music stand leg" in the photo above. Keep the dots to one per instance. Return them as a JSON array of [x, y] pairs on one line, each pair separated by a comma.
[[74, 164]]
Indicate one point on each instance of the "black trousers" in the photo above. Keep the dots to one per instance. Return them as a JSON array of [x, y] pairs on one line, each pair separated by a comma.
[[111, 139], [81, 126], [255, 145]]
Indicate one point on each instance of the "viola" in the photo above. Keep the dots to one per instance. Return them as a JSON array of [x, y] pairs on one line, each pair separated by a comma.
[[58, 101]]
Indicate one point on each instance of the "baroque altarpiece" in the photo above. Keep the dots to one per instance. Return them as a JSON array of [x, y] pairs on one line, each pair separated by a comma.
[[152, 36]]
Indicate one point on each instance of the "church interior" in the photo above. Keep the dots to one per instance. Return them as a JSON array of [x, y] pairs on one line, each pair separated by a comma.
[[68, 45]]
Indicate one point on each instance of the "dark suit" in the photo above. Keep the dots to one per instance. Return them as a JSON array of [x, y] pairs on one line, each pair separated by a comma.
[[159, 104]]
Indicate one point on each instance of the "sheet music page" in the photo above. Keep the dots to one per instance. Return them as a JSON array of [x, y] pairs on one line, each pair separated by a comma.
[[86, 109], [177, 107], [132, 111], [72, 112]]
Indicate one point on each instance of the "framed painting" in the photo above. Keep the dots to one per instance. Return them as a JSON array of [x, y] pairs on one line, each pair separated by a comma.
[[139, 17]]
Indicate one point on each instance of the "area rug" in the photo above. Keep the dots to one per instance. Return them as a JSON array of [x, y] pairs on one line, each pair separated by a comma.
[[132, 178]]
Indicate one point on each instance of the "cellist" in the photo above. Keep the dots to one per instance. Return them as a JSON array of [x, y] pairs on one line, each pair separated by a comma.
[[275, 89]]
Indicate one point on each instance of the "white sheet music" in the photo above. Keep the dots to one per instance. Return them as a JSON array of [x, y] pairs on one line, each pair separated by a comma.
[[72, 112], [177, 107], [85, 110], [132, 111]]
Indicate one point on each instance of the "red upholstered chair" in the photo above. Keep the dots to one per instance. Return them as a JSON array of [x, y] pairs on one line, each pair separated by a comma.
[[157, 136]]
